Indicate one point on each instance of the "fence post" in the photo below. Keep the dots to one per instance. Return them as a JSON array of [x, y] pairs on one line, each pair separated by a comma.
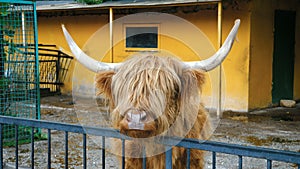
[[66, 150], [1, 146], [17, 145], [240, 162], [2, 59], [32, 148], [123, 153], [57, 70], [49, 149], [213, 160], [168, 157], [269, 164], [103, 152]]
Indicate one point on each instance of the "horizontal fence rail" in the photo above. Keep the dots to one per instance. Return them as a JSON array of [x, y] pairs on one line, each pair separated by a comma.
[[212, 146]]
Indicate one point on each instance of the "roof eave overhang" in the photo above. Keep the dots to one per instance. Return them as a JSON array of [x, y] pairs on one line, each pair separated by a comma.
[[151, 4]]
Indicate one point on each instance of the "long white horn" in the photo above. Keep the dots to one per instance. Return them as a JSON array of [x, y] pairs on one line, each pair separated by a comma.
[[220, 55], [84, 59]]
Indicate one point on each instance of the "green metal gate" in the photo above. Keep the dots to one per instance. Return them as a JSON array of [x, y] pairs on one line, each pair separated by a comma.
[[19, 82]]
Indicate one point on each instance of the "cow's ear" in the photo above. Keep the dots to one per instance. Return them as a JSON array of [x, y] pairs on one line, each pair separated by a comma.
[[103, 83], [193, 78], [192, 81], [199, 76]]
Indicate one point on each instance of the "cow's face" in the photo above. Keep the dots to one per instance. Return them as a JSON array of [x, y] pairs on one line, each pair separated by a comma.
[[146, 94]]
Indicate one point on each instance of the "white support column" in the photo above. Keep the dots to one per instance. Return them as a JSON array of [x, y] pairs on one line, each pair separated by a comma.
[[219, 110], [111, 42]]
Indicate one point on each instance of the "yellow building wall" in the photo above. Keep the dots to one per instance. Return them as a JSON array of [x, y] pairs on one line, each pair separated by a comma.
[[260, 79], [92, 34], [235, 66], [81, 27], [247, 71], [261, 51]]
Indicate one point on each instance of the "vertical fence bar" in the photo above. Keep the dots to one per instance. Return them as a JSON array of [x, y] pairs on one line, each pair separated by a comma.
[[49, 149], [213, 160], [188, 158], [123, 154], [57, 80], [269, 164], [32, 147], [17, 145], [144, 157], [240, 162], [298, 166], [168, 157], [103, 152], [37, 67], [84, 151], [66, 149], [1, 147]]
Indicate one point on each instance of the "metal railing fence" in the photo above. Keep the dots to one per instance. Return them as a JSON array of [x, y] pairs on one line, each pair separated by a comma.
[[269, 155]]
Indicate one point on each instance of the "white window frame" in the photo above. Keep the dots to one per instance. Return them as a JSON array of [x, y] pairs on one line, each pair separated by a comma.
[[142, 25]]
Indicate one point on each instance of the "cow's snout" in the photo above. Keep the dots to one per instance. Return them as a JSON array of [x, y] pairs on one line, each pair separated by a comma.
[[137, 120], [136, 117]]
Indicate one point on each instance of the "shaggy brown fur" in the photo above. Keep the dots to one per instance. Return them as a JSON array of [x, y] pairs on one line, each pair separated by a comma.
[[170, 94]]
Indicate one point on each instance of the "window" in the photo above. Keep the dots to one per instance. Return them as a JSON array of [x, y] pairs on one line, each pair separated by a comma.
[[141, 37]]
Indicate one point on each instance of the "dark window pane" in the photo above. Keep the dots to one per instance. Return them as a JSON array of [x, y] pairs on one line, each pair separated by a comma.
[[141, 37]]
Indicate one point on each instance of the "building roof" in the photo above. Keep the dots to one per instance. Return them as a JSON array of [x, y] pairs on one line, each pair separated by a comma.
[[71, 4]]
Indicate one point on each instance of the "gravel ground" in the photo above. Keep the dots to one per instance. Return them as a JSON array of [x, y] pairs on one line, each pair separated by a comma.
[[277, 128]]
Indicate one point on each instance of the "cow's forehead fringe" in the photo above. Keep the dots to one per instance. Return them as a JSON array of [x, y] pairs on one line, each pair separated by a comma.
[[146, 79]]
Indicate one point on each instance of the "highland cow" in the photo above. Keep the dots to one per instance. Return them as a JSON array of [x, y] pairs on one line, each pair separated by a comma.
[[153, 96]]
